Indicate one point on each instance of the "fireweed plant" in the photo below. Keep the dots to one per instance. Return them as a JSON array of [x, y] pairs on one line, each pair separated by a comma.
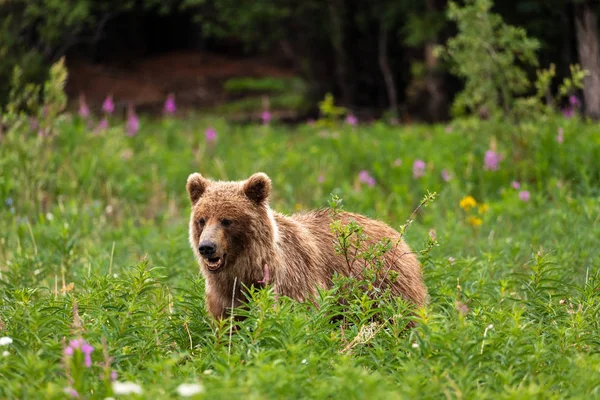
[[94, 257]]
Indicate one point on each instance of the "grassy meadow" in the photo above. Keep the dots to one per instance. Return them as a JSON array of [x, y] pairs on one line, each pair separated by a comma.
[[94, 245]]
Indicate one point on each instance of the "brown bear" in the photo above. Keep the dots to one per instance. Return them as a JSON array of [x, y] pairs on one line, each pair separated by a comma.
[[238, 240]]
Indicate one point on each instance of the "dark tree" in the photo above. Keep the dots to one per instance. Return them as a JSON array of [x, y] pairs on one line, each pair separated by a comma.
[[588, 46]]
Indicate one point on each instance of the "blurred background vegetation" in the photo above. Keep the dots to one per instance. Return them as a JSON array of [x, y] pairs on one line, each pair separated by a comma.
[[377, 58]]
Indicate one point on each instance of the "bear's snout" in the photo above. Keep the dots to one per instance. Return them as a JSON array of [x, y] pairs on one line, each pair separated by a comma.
[[207, 248]]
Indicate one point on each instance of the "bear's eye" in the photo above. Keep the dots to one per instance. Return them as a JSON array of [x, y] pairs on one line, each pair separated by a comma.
[[201, 221], [225, 222]]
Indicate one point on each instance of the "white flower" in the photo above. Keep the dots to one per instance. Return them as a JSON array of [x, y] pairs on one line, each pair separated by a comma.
[[5, 353], [5, 341], [415, 345], [126, 388], [190, 389], [304, 362]]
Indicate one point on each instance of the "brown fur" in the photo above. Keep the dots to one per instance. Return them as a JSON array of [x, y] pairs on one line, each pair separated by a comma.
[[298, 250]]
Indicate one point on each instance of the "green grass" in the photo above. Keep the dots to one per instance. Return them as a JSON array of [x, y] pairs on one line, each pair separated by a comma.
[[93, 243]]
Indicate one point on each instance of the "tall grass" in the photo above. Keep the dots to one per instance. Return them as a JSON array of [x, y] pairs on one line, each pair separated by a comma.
[[94, 245]]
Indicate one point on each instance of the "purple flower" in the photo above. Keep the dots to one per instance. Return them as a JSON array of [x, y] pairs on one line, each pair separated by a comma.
[[321, 178], [87, 350], [113, 375], [265, 117], [170, 106], [133, 122], [515, 184], [76, 344], [491, 161], [446, 175], [103, 124], [69, 391], [365, 177], [524, 195], [568, 112], [83, 346], [419, 169], [108, 106], [574, 101], [351, 120], [210, 134], [84, 110], [561, 135]]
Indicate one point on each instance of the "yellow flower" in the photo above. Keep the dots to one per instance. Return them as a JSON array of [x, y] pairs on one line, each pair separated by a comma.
[[467, 203], [474, 221], [483, 208], [298, 207]]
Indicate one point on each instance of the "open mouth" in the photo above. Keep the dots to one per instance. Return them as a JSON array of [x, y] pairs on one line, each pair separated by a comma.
[[215, 263]]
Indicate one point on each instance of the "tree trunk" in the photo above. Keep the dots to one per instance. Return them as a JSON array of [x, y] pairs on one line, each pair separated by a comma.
[[341, 59], [388, 76], [586, 27], [434, 84]]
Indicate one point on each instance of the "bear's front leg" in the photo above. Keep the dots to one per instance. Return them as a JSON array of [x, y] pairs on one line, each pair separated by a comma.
[[215, 306]]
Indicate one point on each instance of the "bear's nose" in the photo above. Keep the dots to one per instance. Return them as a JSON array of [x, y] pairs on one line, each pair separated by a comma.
[[207, 248]]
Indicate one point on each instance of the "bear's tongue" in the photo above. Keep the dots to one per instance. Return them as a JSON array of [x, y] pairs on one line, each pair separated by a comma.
[[214, 263]]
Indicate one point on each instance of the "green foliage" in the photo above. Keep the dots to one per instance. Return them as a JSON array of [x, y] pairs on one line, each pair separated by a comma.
[[42, 103], [94, 244], [489, 56], [329, 113], [35, 34], [262, 85], [543, 102]]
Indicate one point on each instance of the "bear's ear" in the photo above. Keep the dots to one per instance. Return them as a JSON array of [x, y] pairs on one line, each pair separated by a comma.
[[257, 187], [196, 186]]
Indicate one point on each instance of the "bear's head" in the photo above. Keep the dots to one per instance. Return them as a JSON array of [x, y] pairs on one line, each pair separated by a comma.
[[231, 222]]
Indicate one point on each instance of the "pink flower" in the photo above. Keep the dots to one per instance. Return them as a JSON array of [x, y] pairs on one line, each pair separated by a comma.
[[170, 106], [365, 177], [87, 350], [266, 117], [210, 134], [448, 129], [568, 112], [560, 137], [113, 375], [69, 391], [515, 184], [103, 124], [310, 122], [491, 161], [83, 346], [84, 110], [133, 123], [321, 178], [574, 101], [397, 162], [419, 169], [351, 120], [108, 106], [524, 195], [446, 175]]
